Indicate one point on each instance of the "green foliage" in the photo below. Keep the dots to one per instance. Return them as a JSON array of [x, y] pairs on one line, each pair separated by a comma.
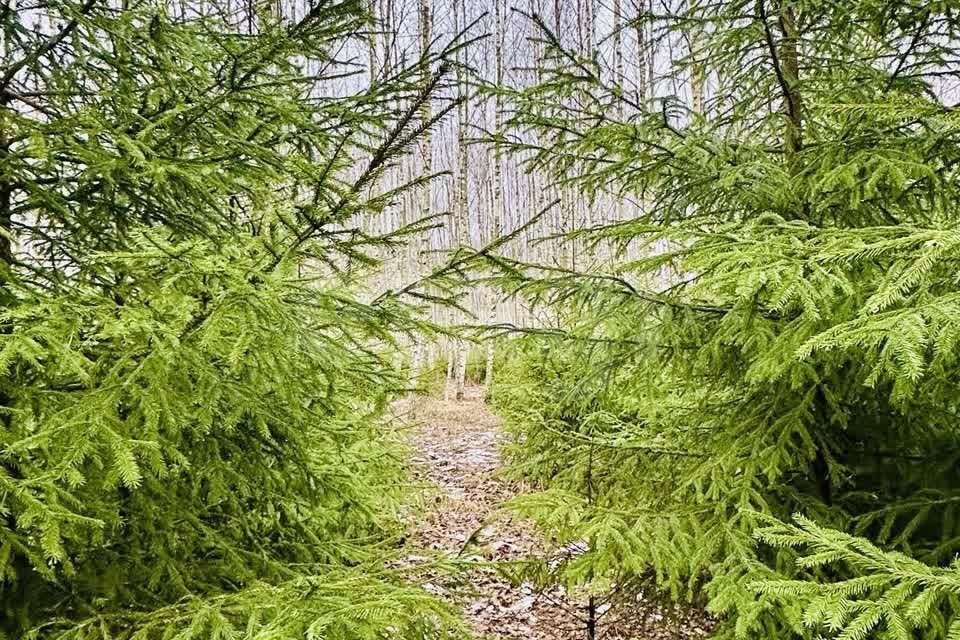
[[784, 342], [476, 364], [433, 377], [192, 442], [890, 594]]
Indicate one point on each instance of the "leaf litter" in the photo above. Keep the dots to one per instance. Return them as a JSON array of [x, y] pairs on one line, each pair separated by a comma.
[[455, 447]]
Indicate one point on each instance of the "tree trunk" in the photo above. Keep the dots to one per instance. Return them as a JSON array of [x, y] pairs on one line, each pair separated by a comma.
[[386, 16], [426, 145], [651, 67], [496, 223], [372, 43], [790, 69], [462, 208], [6, 184], [6, 207], [618, 48], [698, 73], [451, 354]]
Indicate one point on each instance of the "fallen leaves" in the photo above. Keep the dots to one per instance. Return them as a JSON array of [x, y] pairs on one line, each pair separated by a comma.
[[456, 452]]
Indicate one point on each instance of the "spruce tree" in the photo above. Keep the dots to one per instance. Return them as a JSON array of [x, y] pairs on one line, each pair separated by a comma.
[[787, 342], [191, 442]]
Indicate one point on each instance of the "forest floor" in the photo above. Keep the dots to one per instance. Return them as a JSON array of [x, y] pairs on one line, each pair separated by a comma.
[[456, 454]]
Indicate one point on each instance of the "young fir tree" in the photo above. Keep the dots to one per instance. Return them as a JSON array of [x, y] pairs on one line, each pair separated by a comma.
[[786, 345], [190, 433]]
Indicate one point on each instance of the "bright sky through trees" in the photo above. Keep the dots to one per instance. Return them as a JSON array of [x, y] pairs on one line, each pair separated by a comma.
[[700, 255]]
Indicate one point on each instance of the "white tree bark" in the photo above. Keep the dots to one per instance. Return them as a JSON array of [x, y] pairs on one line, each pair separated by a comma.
[[496, 226], [698, 73], [618, 48], [462, 209], [426, 204]]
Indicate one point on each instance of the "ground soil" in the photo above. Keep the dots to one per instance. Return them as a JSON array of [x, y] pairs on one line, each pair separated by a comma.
[[456, 457]]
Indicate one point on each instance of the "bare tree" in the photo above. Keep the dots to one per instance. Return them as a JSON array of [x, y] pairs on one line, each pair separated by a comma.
[[426, 147], [462, 211], [618, 47], [496, 224]]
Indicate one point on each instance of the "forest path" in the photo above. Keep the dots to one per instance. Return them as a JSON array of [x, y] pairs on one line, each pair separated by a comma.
[[456, 450]]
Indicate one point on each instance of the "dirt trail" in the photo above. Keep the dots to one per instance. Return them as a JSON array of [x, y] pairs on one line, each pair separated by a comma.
[[456, 450]]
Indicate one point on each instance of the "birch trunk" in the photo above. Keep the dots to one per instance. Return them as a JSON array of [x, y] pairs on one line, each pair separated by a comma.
[[641, 60], [372, 43], [462, 211], [618, 50], [496, 226], [698, 73], [416, 358]]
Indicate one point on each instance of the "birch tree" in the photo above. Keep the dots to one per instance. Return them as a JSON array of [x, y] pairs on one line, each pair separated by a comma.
[[462, 211], [496, 223], [426, 152]]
